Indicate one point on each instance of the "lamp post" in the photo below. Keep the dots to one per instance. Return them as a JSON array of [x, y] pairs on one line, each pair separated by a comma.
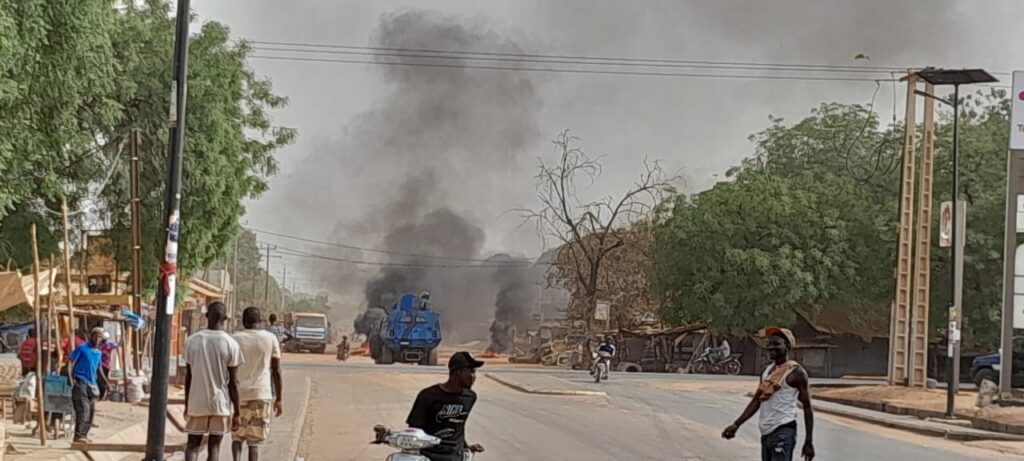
[[938, 77]]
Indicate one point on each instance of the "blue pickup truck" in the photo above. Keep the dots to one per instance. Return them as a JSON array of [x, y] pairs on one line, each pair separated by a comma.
[[988, 366]]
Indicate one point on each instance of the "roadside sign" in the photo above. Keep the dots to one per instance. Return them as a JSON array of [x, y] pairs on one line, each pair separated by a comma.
[[946, 225], [1017, 111], [602, 310]]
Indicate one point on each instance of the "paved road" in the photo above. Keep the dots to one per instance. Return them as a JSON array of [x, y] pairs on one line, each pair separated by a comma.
[[645, 417]]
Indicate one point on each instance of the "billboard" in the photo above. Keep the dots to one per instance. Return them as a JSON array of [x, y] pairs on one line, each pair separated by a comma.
[[1017, 111]]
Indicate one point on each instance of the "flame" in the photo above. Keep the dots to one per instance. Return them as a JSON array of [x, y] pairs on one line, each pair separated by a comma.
[[363, 349]]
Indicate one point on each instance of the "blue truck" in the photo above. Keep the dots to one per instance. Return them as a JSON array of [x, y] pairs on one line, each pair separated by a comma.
[[410, 333], [989, 366]]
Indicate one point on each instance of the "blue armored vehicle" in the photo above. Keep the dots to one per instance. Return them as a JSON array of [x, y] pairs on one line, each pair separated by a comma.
[[410, 333]]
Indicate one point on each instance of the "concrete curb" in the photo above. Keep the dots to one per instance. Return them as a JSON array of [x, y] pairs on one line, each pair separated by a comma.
[[293, 450], [884, 407], [918, 426], [530, 390]]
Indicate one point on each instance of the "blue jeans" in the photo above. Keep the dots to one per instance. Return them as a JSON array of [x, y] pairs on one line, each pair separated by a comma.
[[779, 445]]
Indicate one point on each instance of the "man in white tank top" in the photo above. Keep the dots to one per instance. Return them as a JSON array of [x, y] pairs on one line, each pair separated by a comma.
[[783, 384]]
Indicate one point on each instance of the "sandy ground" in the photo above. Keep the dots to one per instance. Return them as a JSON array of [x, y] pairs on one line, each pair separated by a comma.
[[928, 399]]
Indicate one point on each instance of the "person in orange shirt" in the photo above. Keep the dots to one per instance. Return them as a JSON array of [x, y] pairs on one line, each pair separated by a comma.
[[27, 353]]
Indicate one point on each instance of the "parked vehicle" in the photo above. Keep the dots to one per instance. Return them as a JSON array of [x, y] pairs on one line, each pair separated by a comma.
[[705, 364], [309, 332], [988, 367]]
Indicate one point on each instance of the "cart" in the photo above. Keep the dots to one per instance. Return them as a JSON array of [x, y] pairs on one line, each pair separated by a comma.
[[59, 406]]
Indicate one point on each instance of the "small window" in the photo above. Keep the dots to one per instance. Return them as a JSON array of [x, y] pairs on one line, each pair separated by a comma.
[[99, 284]]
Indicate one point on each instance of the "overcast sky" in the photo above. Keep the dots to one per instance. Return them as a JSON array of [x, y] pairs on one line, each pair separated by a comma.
[[696, 126]]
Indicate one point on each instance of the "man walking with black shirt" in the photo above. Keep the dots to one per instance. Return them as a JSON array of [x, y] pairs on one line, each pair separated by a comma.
[[441, 410]]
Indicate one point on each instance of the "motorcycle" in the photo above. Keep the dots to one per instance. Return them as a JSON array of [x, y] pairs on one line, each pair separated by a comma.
[[602, 361], [730, 365], [342, 354], [410, 441]]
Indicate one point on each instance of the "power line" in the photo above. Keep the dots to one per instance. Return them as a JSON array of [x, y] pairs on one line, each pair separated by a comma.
[[371, 250], [740, 64], [585, 61], [493, 265], [576, 71], [429, 52]]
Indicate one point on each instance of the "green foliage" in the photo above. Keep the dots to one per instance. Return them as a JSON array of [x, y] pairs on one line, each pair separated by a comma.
[[56, 72], [810, 221], [751, 252], [77, 77]]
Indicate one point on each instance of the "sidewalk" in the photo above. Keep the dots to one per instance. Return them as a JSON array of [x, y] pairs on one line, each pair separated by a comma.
[[285, 431], [118, 423]]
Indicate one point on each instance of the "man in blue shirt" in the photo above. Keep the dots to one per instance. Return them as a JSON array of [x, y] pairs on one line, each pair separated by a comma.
[[85, 364]]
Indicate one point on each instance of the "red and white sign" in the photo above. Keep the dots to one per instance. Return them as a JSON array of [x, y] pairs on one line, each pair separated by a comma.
[[1017, 112]]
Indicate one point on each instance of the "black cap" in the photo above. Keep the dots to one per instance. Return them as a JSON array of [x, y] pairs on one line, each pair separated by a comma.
[[462, 360]]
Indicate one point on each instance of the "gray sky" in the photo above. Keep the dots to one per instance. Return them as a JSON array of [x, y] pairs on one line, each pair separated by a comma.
[[697, 126]]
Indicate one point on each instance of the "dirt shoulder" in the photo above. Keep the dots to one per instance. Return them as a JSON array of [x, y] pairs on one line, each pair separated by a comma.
[[927, 403]]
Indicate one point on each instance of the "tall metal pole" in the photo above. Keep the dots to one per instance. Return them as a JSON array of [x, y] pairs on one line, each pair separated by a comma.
[[136, 230], [950, 379], [168, 268]]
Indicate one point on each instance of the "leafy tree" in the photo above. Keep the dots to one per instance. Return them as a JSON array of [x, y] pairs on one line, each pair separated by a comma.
[[230, 139], [56, 71], [840, 168], [751, 252]]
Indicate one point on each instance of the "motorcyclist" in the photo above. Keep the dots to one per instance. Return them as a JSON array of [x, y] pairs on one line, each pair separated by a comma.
[[343, 348], [720, 353], [442, 410], [607, 345]]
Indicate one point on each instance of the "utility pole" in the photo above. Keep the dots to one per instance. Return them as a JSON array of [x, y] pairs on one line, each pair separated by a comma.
[[136, 231], [234, 277], [168, 268], [284, 276], [266, 281]]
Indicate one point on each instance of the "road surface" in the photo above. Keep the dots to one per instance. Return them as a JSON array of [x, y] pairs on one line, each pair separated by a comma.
[[644, 417]]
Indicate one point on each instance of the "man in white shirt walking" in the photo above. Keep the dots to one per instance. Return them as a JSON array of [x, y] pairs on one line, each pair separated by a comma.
[[259, 384], [211, 384]]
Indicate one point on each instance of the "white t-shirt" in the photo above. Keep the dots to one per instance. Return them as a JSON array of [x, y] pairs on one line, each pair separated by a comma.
[[210, 353], [258, 347]]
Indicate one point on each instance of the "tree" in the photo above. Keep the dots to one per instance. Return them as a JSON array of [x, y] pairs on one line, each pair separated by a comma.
[[755, 251], [56, 72], [623, 278], [588, 230], [230, 139], [841, 170]]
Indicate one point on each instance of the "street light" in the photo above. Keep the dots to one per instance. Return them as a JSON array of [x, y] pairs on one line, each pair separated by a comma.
[[956, 78]]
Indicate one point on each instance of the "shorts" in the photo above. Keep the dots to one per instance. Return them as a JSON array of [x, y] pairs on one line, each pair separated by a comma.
[[254, 423], [213, 425]]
